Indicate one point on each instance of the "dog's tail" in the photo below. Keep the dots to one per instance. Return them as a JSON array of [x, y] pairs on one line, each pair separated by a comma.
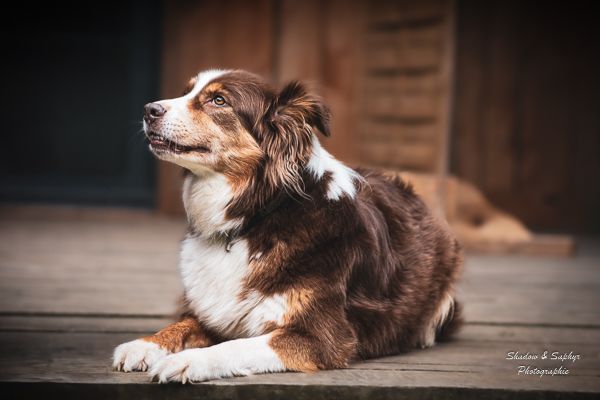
[[451, 323]]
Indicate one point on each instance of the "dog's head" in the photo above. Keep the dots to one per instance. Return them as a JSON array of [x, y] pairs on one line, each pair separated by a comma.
[[233, 123]]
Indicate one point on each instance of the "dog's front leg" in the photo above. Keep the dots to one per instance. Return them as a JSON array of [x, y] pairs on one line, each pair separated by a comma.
[[141, 354], [277, 351], [233, 358]]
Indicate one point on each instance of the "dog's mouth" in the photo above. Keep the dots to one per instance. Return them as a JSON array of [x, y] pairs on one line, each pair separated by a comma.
[[161, 144]]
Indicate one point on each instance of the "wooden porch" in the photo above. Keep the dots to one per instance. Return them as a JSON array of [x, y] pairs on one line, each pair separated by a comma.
[[74, 283]]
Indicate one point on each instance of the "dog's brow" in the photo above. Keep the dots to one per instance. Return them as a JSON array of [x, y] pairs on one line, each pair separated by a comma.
[[213, 87], [205, 78]]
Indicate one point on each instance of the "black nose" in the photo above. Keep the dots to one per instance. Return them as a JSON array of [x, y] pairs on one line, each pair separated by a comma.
[[153, 111]]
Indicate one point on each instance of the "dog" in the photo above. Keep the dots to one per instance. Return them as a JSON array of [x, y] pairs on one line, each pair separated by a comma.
[[293, 261]]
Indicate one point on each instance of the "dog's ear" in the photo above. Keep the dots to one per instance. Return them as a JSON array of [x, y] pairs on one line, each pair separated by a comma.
[[291, 119], [295, 105]]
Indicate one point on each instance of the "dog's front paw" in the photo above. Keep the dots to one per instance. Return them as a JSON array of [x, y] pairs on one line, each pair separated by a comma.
[[193, 365], [137, 355]]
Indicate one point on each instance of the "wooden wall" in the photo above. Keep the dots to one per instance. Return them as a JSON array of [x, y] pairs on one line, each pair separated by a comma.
[[278, 39], [527, 109], [407, 84], [382, 66], [510, 89]]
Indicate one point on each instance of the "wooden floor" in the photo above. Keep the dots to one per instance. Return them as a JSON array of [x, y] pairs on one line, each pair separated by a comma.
[[74, 284]]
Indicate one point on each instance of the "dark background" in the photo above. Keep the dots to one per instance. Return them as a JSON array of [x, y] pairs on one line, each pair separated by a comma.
[[527, 116], [75, 77]]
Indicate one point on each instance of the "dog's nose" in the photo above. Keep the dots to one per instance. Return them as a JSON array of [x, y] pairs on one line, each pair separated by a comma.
[[153, 111]]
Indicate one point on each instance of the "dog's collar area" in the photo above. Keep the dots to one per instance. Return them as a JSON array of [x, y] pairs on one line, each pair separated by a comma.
[[232, 236]]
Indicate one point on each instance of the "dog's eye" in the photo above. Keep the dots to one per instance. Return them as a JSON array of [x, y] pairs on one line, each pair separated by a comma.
[[219, 101]]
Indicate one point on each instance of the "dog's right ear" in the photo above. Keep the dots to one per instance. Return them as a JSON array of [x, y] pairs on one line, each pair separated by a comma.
[[295, 105], [291, 119]]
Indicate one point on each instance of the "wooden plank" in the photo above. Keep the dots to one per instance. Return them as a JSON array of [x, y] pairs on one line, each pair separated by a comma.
[[109, 267], [547, 116], [409, 81], [299, 43], [89, 264], [517, 137], [499, 116], [271, 391], [344, 27], [540, 245], [194, 39], [393, 13], [471, 69], [84, 323], [398, 132], [414, 156], [463, 364], [526, 290], [317, 45], [473, 356], [418, 84], [403, 96], [408, 49], [445, 106], [512, 303], [563, 336]]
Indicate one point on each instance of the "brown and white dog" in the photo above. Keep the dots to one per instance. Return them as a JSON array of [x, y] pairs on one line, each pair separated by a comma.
[[293, 261]]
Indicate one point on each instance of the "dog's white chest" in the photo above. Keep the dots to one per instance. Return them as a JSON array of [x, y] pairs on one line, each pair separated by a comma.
[[214, 282]]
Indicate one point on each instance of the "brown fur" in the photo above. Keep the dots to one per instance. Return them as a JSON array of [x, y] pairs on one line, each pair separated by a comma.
[[364, 276], [182, 334]]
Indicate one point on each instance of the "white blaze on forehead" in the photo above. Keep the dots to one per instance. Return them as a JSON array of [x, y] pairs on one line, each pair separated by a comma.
[[177, 119], [202, 79]]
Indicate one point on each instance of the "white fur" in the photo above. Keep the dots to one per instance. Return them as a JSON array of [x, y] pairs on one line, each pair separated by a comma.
[[233, 358], [203, 78], [342, 177], [440, 315], [214, 277], [178, 123], [178, 107], [137, 355], [205, 198], [214, 280]]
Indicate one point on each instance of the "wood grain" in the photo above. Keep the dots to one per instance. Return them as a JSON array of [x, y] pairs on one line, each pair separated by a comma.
[[465, 364], [524, 131], [408, 49], [392, 13], [75, 284], [407, 89]]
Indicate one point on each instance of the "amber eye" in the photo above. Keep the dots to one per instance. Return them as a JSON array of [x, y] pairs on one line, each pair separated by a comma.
[[219, 101]]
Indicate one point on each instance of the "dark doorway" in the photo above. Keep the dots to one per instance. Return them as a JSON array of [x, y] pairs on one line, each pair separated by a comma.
[[74, 79]]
